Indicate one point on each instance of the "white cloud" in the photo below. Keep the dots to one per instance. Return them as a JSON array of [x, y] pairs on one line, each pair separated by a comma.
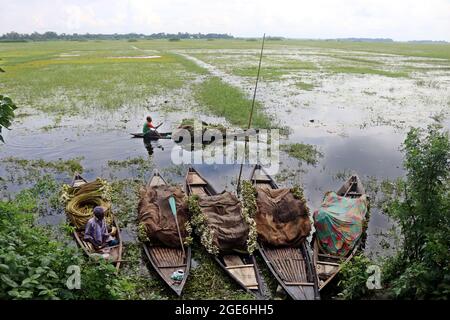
[[400, 19]]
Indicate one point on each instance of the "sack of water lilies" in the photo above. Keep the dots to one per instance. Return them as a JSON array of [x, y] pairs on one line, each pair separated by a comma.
[[282, 217], [156, 218], [339, 223], [220, 223]]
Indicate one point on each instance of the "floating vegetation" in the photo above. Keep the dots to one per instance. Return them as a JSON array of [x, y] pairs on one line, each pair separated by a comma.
[[298, 193], [366, 70], [60, 165], [304, 152], [231, 103], [189, 123], [304, 85]]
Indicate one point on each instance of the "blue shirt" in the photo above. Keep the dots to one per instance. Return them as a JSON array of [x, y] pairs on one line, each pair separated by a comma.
[[96, 232]]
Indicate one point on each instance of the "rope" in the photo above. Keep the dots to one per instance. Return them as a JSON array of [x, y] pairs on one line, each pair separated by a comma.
[[81, 201]]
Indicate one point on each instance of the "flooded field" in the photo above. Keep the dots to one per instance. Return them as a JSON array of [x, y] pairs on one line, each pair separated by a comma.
[[81, 101]]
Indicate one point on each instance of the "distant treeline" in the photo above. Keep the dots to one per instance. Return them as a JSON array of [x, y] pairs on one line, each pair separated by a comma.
[[50, 35], [385, 40]]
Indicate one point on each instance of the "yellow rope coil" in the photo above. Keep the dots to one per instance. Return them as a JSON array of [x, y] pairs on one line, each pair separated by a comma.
[[81, 201]]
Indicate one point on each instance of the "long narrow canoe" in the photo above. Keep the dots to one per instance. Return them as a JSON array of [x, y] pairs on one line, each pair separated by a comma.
[[115, 252], [241, 267], [328, 266], [292, 267], [167, 260], [152, 136]]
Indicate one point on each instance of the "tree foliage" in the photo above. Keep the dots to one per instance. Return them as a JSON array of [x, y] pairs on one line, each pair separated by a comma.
[[50, 35], [422, 267], [7, 108], [34, 266]]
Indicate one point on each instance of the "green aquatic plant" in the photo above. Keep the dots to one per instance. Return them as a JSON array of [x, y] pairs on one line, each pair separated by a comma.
[[301, 151], [248, 212], [199, 222]]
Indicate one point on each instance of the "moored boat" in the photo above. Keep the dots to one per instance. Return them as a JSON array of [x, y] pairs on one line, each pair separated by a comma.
[[329, 264], [167, 260], [239, 266], [113, 253], [291, 266]]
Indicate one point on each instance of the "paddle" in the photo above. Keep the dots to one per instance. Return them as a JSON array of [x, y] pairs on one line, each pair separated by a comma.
[[173, 207]]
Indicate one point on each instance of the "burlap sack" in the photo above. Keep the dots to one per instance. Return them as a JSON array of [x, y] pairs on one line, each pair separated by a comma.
[[155, 214], [223, 214], [281, 219]]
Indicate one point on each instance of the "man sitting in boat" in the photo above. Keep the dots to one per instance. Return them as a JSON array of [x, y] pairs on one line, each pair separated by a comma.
[[149, 128], [96, 231]]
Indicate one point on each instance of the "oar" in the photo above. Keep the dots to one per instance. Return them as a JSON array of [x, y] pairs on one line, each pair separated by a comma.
[[173, 207], [159, 125]]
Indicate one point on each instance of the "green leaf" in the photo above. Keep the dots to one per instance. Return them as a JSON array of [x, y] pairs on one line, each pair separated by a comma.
[[8, 281], [4, 267]]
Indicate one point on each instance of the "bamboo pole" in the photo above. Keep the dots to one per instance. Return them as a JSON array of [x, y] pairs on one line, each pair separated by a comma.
[[238, 189]]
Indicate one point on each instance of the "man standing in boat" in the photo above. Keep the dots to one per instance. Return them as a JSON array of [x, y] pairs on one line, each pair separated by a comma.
[[149, 128], [96, 231]]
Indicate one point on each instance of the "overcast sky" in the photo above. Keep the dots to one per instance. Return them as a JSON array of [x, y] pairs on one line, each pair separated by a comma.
[[397, 19]]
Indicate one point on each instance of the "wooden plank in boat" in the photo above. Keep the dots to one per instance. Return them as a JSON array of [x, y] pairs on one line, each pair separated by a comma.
[[232, 260], [261, 177], [240, 266], [193, 179], [329, 263], [76, 184], [157, 181], [326, 270], [198, 190], [246, 275], [299, 283]]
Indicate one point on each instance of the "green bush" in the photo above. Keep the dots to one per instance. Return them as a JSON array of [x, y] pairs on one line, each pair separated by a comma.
[[421, 269], [34, 266], [7, 108], [353, 278]]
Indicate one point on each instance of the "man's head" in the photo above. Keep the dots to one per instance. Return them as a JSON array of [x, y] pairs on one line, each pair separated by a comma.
[[99, 213], [149, 119]]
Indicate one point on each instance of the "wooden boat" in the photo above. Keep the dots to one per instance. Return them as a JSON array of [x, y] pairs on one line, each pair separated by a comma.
[[241, 267], [115, 252], [292, 267], [166, 260], [152, 136], [328, 266]]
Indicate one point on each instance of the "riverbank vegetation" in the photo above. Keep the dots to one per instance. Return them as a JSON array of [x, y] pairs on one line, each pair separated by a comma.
[[421, 267]]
